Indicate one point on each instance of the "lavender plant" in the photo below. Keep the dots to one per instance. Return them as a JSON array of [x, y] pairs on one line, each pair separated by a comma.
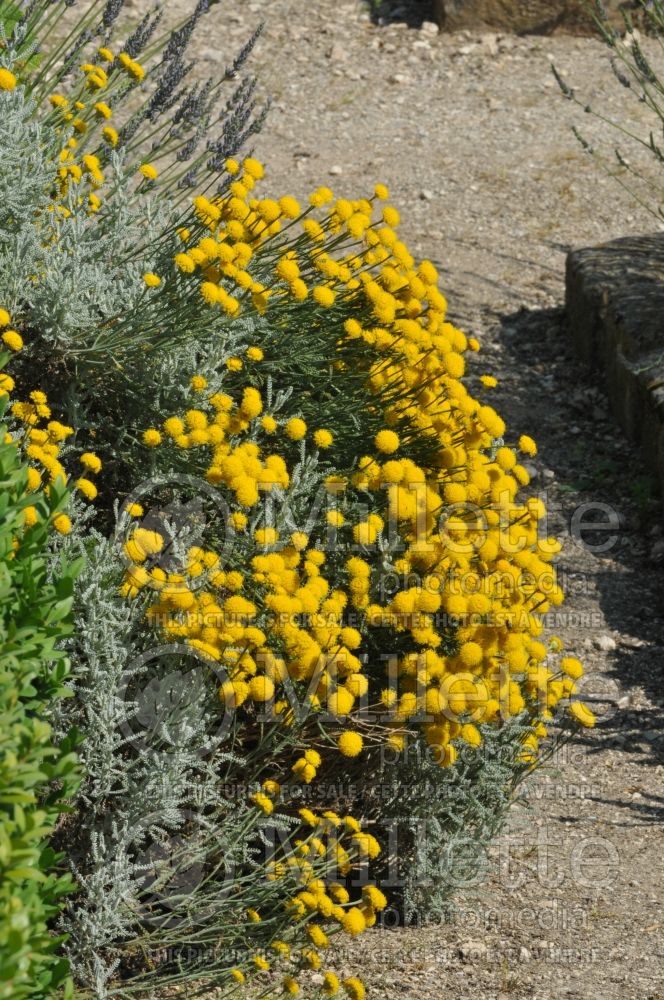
[[636, 73]]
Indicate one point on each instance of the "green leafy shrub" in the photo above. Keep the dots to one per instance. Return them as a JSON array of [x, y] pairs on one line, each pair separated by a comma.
[[37, 776]]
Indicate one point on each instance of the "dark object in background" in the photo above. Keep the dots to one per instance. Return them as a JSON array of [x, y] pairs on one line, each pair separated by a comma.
[[537, 17]]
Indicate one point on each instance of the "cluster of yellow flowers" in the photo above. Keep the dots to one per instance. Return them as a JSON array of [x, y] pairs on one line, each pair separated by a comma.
[[83, 116], [483, 573], [461, 631], [328, 849], [42, 444]]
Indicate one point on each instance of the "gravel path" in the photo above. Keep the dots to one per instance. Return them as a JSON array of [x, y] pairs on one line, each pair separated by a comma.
[[473, 138]]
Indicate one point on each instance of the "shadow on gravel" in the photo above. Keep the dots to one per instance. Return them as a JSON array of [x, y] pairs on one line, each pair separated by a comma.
[[583, 462], [649, 808]]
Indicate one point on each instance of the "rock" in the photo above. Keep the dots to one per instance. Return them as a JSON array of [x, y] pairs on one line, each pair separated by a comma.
[[398, 78], [473, 951], [632, 641], [548, 475], [430, 28], [614, 299], [489, 44], [426, 194], [337, 53], [524, 955], [335, 170], [537, 17], [657, 552], [604, 642]]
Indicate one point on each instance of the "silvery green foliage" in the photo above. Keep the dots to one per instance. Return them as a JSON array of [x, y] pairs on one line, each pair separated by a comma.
[[147, 761], [90, 274], [26, 173], [164, 859], [440, 821], [73, 275], [109, 646]]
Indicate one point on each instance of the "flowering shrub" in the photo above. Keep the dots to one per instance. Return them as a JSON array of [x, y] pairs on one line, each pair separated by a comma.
[[34, 617], [352, 575]]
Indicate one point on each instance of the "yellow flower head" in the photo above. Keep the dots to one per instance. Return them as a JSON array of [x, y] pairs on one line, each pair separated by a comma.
[[12, 340], [133, 68], [331, 984], [88, 458], [152, 437], [7, 79], [350, 743], [323, 438], [88, 489], [261, 688], [290, 207], [263, 802], [296, 429], [572, 667], [324, 296], [148, 171], [353, 922], [62, 524], [252, 167], [387, 441], [354, 988], [527, 445]]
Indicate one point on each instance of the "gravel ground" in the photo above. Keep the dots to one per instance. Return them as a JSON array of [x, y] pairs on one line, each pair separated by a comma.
[[473, 138]]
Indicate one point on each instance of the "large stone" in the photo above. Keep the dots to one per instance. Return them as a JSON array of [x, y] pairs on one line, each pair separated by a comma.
[[520, 17], [614, 297]]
